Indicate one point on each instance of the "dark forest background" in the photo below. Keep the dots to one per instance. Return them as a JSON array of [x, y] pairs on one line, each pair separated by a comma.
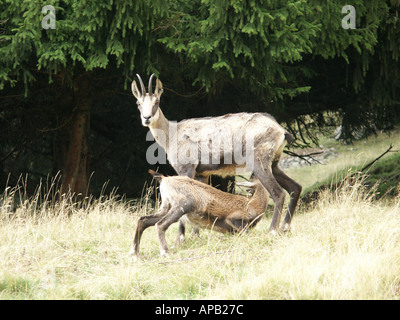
[[65, 99]]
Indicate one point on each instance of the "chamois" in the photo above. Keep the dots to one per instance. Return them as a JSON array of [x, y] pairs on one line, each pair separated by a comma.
[[204, 206], [198, 148]]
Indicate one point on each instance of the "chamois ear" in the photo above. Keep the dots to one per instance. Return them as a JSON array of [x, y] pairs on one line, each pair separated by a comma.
[[135, 90], [157, 176], [159, 90]]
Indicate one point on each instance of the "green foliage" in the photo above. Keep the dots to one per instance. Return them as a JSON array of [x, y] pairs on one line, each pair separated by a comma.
[[258, 45], [288, 58], [88, 35], [249, 42]]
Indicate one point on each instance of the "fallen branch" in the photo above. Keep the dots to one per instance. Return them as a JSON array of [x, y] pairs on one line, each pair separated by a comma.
[[372, 162], [311, 196], [303, 157]]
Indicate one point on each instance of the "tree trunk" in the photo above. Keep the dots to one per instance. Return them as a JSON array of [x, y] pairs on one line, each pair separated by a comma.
[[77, 163]]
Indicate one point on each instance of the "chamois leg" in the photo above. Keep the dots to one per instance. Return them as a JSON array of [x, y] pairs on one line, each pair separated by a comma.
[[162, 225], [181, 232], [188, 171], [262, 171], [203, 179], [143, 224], [294, 190]]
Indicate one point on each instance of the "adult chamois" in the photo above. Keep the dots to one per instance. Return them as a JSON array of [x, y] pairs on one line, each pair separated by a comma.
[[204, 206], [198, 148]]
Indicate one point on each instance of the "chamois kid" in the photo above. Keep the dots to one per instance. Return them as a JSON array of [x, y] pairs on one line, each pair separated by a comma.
[[204, 206]]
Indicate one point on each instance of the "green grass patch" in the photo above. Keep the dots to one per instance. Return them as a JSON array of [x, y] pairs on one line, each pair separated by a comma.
[[386, 175], [351, 160]]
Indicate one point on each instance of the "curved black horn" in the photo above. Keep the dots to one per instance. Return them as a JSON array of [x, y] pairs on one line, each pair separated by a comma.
[[141, 85], [150, 80]]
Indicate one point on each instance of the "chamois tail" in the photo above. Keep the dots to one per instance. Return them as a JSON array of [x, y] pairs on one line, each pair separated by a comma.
[[288, 137]]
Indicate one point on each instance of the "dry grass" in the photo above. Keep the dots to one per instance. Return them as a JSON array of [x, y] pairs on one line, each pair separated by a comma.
[[344, 246]]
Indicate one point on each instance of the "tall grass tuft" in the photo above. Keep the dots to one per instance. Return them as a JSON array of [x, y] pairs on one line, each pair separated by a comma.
[[342, 246]]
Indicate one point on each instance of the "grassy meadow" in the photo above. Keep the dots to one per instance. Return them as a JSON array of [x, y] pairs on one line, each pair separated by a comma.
[[344, 245]]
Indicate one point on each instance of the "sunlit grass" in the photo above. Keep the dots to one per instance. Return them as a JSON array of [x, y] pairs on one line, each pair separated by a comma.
[[344, 245], [350, 159]]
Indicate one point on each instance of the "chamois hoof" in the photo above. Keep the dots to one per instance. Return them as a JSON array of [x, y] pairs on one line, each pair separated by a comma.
[[196, 232], [285, 228], [273, 233], [180, 239], [164, 254], [134, 257]]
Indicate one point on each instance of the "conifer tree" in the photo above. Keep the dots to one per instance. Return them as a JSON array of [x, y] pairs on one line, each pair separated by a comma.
[[89, 36], [295, 54], [292, 59]]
